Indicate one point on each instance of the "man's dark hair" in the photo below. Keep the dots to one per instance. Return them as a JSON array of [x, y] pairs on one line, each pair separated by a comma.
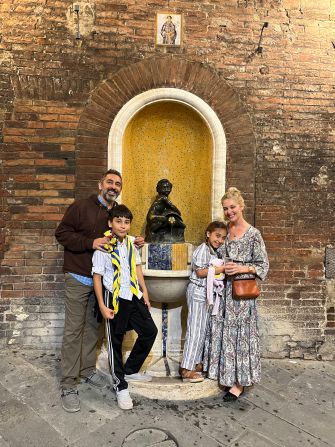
[[110, 171], [120, 211]]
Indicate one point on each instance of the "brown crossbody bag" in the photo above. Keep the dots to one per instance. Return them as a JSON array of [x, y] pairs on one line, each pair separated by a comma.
[[245, 288]]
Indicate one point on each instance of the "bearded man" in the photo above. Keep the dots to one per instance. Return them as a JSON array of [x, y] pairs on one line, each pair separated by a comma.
[[81, 232]]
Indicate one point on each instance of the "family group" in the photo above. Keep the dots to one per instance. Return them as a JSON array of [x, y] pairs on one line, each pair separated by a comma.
[[104, 280]]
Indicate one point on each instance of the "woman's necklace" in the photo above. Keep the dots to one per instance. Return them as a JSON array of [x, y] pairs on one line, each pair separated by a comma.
[[234, 231]]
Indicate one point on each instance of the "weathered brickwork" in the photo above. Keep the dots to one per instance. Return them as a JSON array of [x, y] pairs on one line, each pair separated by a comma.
[[58, 98]]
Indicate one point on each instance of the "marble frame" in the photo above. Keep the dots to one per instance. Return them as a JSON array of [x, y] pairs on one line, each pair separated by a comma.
[[211, 119]]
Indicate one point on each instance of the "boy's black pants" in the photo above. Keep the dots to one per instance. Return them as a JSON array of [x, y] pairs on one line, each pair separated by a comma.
[[135, 315]]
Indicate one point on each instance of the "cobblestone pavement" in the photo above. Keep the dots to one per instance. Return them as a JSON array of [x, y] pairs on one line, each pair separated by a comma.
[[293, 406]]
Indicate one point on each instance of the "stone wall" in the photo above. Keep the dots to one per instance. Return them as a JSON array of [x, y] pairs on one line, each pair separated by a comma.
[[278, 106]]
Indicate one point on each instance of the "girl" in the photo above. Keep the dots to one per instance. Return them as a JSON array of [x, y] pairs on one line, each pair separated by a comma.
[[191, 365]]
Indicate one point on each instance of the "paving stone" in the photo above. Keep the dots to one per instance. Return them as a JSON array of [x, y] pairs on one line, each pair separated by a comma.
[[20, 374], [217, 420], [3, 443], [5, 362], [44, 398], [5, 395], [277, 375], [21, 427], [310, 388], [329, 368], [310, 419], [103, 402], [47, 361], [252, 439], [264, 398], [280, 431], [172, 388]]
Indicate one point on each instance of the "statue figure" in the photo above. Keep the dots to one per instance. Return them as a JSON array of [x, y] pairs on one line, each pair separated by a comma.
[[164, 221]]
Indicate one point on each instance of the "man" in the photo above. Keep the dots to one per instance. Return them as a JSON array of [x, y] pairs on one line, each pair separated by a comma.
[[80, 232]]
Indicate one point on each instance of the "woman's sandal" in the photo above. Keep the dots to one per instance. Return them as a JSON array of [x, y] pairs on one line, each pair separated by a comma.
[[191, 376], [230, 397]]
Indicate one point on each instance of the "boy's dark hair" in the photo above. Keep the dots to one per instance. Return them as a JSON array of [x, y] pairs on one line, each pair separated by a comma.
[[213, 225], [120, 211]]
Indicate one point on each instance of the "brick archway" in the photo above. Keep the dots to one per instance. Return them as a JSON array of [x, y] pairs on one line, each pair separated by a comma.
[[174, 72]]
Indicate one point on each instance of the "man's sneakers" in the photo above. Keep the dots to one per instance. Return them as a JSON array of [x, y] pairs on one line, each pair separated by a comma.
[[70, 400], [124, 400], [95, 379], [138, 377]]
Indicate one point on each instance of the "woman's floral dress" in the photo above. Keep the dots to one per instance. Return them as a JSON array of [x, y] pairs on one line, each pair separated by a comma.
[[232, 351]]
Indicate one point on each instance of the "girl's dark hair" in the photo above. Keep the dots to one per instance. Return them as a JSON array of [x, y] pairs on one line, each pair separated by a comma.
[[213, 225], [120, 211]]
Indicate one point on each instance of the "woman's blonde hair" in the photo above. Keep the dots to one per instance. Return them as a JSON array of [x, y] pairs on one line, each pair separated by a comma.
[[233, 194]]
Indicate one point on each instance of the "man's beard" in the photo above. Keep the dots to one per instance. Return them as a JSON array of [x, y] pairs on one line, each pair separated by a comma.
[[110, 195]]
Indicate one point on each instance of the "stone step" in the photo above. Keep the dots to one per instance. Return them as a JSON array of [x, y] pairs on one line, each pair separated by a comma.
[[173, 388]]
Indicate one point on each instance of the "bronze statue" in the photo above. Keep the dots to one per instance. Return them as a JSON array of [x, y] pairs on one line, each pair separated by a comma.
[[164, 221]]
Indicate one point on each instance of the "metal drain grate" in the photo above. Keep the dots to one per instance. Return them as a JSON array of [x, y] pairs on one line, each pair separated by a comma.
[[146, 437]]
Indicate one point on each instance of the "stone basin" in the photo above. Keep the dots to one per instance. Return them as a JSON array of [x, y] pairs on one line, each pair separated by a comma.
[[166, 286]]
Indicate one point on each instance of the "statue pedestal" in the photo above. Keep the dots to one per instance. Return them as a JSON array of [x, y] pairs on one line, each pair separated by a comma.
[[165, 356], [166, 268]]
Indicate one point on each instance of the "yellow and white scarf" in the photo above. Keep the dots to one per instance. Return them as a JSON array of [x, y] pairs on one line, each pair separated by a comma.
[[112, 248]]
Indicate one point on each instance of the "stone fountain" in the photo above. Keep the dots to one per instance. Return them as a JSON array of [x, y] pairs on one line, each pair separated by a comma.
[[166, 268], [166, 265]]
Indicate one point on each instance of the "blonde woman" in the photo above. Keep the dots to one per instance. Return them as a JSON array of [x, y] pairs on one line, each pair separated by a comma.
[[232, 352]]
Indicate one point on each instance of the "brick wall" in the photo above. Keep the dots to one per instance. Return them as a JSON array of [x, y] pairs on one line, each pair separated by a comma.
[[47, 81]]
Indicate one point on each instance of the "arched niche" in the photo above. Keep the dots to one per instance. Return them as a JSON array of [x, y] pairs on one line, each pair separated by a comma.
[[201, 181], [174, 74]]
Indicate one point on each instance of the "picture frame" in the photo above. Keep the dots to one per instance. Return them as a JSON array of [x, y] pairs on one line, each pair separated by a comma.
[[168, 29]]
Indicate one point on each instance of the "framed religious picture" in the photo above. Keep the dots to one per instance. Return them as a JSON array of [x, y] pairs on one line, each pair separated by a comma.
[[168, 30]]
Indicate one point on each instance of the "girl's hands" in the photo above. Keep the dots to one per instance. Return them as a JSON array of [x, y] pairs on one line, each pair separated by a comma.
[[220, 269]]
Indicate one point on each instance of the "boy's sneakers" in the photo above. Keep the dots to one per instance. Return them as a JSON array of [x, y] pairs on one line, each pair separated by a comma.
[[70, 400], [124, 400], [138, 377], [95, 379]]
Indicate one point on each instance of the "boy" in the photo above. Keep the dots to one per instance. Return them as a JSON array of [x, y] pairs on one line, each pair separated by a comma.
[[123, 305]]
